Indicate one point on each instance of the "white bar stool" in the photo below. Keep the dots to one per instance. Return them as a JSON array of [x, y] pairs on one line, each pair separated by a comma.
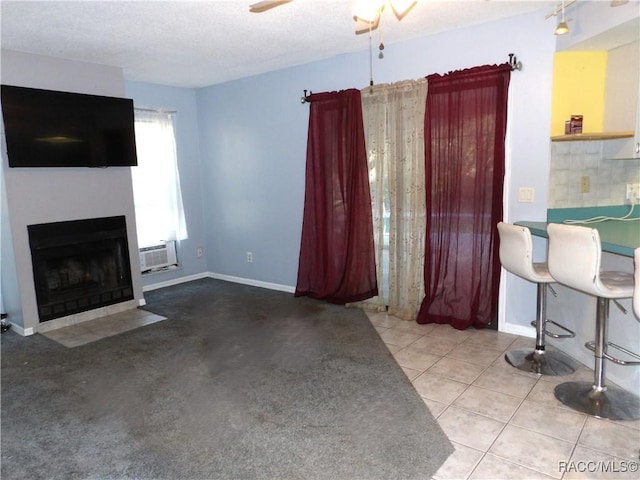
[[516, 256], [574, 260]]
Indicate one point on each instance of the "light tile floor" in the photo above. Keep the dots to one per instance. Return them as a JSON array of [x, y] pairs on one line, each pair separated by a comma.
[[93, 330], [503, 422]]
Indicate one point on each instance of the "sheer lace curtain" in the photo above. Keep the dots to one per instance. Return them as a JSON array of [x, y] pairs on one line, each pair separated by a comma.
[[393, 117], [156, 181]]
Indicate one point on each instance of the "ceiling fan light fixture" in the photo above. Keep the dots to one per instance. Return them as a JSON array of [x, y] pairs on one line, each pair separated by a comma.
[[368, 10]]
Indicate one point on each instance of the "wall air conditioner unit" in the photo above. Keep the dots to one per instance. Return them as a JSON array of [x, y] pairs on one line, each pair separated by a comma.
[[158, 256]]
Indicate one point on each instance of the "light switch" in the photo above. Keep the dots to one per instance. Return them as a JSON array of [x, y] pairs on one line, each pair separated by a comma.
[[525, 194]]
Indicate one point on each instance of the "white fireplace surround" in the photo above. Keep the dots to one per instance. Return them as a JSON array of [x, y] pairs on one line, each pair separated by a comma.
[[44, 195]]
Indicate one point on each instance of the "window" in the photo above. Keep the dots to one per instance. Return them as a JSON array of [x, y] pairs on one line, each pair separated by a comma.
[[156, 182]]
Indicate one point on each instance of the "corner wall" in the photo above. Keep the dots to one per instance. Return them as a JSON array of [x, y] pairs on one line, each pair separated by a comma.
[[183, 102]]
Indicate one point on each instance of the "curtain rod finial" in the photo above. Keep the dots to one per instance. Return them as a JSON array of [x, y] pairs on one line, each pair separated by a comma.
[[514, 63]]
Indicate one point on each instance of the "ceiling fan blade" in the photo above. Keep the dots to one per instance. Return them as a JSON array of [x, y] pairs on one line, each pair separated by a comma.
[[364, 27], [260, 7], [402, 7]]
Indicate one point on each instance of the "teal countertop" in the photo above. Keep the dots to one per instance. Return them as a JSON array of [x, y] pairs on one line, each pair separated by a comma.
[[616, 236]]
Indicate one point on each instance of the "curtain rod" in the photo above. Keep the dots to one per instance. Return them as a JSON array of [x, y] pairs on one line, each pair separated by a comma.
[[513, 63], [305, 97]]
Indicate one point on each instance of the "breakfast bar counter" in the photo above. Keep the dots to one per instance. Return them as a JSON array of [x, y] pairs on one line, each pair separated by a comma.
[[621, 237], [576, 310]]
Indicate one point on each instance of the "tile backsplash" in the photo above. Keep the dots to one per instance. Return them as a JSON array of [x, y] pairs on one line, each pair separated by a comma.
[[570, 161]]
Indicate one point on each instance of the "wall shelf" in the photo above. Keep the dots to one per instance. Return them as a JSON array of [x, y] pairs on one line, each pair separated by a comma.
[[586, 137]]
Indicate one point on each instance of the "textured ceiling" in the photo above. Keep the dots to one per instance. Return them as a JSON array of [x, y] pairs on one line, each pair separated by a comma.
[[193, 44]]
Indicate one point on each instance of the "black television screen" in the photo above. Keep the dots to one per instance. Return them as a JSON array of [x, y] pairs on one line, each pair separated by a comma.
[[45, 128]]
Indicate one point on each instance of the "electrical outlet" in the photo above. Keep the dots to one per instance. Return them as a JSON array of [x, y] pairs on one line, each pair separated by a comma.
[[633, 192], [199, 252], [249, 257], [585, 184]]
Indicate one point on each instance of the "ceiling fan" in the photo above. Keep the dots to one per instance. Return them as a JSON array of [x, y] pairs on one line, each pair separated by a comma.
[[366, 12]]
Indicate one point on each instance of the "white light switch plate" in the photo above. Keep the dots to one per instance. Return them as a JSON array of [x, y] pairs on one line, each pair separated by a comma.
[[526, 194]]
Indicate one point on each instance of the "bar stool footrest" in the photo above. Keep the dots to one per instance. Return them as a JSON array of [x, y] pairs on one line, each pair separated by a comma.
[[569, 334], [592, 346]]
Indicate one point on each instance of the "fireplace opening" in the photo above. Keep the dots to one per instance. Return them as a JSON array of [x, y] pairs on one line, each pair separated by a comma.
[[80, 265]]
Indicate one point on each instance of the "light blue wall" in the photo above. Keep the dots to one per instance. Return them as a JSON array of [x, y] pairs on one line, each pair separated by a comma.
[[253, 135], [183, 102], [253, 141], [10, 300]]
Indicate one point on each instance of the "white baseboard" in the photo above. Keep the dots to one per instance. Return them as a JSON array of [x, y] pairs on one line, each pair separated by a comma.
[[220, 276], [522, 330], [175, 281], [25, 332], [253, 283]]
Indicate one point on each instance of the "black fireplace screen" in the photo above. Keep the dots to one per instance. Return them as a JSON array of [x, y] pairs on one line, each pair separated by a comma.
[[80, 265]]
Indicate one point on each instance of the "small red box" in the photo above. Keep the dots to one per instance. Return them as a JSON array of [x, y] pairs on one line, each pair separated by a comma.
[[576, 124]]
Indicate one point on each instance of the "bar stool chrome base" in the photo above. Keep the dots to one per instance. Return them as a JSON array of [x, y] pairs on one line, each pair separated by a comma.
[[612, 403], [541, 361]]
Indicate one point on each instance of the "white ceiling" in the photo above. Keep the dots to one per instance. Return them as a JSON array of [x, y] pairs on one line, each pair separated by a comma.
[[194, 44]]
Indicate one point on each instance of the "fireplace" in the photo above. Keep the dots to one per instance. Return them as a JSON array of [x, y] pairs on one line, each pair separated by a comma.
[[80, 265]]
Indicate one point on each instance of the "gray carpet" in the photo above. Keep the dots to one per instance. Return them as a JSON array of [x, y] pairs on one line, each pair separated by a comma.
[[238, 383]]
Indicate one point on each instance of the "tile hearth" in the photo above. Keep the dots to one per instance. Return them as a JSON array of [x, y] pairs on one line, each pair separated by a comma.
[[93, 330]]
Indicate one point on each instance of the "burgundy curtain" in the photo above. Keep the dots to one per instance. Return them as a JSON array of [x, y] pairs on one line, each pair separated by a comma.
[[337, 262], [465, 125]]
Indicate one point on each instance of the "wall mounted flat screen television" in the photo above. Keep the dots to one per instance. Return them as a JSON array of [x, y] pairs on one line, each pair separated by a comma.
[[45, 128]]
